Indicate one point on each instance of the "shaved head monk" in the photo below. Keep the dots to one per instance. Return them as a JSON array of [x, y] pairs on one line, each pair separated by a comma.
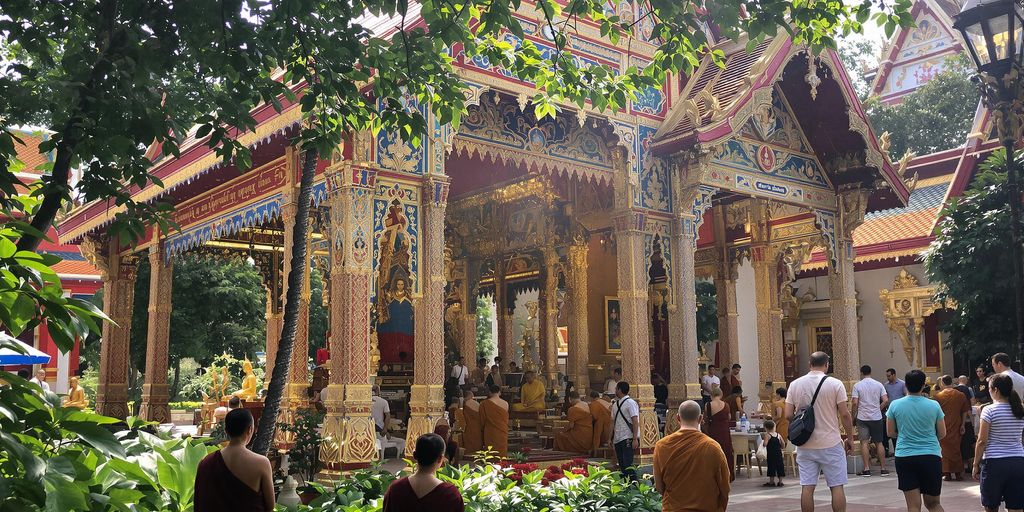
[[234, 478], [690, 470], [494, 418], [531, 394]]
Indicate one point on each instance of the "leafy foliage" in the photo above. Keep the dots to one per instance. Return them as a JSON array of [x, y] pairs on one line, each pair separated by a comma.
[[971, 260], [485, 345], [64, 459], [859, 55], [935, 117], [304, 456], [707, 312], [493, 488]]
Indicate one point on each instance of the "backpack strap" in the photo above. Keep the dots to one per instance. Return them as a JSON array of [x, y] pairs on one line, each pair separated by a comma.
[[815, 397]]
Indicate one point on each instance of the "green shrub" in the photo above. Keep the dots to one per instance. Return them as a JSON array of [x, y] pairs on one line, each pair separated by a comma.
[[188, 406], [574, 486]]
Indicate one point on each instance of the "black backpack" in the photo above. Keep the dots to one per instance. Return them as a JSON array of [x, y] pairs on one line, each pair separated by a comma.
[[802, 425]]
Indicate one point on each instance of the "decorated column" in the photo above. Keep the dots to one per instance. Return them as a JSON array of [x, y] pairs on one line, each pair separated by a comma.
[[725, 295], [633, 285], [348, 431], [548, 300], [683, 345], [506, 345], [576, 313], [298, 370], [270, 265], [118, 296], [426, 402], [154, 388], [838, 236], [765, 259]]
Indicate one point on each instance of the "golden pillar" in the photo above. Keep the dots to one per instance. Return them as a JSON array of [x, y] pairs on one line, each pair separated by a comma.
[[693, 200], [298, 369], [154, 389], [765, 259], [274, 315], [348, 431], [502, 315], [576, 314], [118, 274], [725, 296], [426, 401], [842, 292], [548, 302]]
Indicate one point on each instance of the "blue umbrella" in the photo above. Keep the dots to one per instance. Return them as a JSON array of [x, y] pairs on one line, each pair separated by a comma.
[[31, 356]]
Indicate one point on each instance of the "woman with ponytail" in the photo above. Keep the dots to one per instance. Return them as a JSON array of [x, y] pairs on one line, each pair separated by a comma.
[[999, 442]]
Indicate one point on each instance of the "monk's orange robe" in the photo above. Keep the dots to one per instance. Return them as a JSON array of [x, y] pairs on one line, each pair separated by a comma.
[[602, 417], [531, 397], [494, 418], [472, 431], [694, 472], [954, 404], [579, 436]]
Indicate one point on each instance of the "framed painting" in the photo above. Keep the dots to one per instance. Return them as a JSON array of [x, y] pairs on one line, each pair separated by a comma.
[[612, 326]]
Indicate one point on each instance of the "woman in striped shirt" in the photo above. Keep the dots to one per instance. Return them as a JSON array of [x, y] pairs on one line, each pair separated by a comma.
[[999, 441]]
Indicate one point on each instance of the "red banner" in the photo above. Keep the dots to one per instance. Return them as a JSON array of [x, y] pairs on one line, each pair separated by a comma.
[[249, 186]]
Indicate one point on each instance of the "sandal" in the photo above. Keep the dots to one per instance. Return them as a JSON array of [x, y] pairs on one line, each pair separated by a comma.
[[778, 484], [768, 484]]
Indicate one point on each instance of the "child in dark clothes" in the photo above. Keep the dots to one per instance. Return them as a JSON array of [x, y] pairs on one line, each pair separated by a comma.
[[773, 445]]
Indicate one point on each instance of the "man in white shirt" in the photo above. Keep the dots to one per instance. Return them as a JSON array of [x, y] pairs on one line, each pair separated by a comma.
[[1001, 364], [825, 451], [461, 372], [40, 380], [869, 398], [708, 383], [626, 429], [380, 410]]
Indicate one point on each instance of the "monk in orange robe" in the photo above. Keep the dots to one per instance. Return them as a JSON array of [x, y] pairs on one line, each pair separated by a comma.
[[601, 414], [473, 430], [494, 417], [690, 470], [956, 409], [579, 436]]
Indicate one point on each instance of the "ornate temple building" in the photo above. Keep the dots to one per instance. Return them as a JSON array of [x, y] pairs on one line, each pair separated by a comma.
[[592, 228]]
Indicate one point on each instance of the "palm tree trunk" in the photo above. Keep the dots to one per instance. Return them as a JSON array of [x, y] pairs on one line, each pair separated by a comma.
[[275, 391]]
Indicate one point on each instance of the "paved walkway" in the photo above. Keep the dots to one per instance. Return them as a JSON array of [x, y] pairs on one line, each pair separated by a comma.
[[875, 493]]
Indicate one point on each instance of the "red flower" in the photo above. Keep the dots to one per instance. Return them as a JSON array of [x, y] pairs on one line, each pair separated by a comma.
[[554, 469], [580, 471], [545, 482]]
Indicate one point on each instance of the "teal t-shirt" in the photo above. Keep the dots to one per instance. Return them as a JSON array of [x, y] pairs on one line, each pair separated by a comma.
[[915, 418]]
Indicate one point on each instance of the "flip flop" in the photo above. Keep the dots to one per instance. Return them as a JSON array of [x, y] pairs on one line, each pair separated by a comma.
[[768, 484], [778, 484]]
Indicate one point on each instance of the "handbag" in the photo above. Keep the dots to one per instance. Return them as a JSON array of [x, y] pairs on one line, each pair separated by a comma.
[[762, 450], [802, 425]]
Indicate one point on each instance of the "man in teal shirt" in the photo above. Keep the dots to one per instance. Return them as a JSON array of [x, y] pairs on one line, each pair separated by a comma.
[[917, 424]]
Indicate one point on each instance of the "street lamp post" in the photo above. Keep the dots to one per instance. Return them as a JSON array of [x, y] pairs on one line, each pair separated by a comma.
[[993, 33]]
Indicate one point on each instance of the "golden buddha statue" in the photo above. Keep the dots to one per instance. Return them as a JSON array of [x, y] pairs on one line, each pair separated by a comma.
[[76, 396], [249, 389]]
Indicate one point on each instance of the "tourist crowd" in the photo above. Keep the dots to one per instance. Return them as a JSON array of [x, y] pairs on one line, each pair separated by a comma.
[[929, 433]]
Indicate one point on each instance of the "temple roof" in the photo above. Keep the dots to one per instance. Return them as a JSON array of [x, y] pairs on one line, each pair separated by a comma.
[[717, 101]]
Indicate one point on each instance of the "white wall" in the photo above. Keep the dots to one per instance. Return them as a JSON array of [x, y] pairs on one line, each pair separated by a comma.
[[747, 327], [879, 347]]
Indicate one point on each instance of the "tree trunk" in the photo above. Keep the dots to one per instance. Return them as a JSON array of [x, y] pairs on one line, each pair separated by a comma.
[[279, 378]]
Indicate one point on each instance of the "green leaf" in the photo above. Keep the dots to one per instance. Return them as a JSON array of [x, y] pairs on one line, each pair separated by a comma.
[[96, 436]]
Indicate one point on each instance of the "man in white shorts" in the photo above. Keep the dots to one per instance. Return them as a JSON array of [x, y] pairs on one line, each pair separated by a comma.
[[826, 449]]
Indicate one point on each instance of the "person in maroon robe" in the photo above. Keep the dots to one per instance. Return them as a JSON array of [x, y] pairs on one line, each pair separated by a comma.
[[234, 478], [423, 491]]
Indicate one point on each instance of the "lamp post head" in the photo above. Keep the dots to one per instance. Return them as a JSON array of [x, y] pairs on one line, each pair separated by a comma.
[[993, 34]]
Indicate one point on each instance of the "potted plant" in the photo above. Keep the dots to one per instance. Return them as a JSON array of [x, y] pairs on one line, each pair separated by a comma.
[[304, 456]]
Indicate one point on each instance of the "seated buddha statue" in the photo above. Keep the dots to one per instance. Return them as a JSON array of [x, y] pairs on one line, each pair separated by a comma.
[[249, 389], [76, 396]]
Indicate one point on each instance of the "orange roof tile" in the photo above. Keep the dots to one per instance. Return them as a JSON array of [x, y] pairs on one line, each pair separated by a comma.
[[28, 150], [77, 268]]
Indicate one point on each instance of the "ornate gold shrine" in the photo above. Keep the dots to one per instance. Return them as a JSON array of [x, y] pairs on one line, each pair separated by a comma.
[[905, 307]]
